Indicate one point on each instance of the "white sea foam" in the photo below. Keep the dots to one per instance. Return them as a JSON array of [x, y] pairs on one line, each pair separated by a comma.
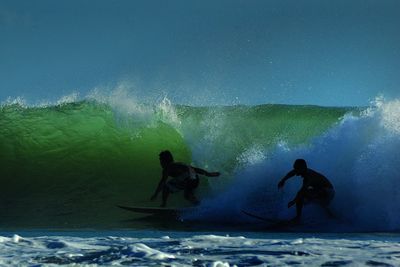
[[201, 250], [67, 99], [145, 251]]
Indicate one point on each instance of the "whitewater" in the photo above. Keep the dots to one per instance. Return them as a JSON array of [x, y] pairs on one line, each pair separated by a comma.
[[64, 166], [154, 248]]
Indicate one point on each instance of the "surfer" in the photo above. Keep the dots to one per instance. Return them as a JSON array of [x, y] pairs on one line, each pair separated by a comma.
[[184, 177], [316, 188]]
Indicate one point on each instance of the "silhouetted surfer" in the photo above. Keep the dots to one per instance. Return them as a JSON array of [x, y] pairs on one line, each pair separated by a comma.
[[315, 188], [184, 177]]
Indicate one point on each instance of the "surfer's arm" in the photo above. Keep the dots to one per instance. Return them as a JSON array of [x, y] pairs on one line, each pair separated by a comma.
[[160, 185], [287, 176], [206, 173]]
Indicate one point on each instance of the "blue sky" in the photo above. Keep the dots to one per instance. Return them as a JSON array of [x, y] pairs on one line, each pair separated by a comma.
[[334, 53]]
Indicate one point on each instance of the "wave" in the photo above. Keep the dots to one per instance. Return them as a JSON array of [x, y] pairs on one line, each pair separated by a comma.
[[68, 164]]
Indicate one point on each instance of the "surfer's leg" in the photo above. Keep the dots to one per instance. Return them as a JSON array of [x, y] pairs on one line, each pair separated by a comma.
[[190, 186], [189, 195], [299, 204], [165, 195], [328, 195], [172, 186], [299, 208]]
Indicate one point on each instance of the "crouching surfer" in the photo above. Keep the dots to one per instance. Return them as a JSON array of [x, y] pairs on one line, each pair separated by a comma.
[[316, 188], [184, 177]]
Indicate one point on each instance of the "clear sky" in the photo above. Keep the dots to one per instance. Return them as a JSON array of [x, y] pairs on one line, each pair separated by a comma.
[[199, 52]]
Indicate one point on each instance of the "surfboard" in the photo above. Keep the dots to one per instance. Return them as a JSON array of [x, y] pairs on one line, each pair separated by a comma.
[[265, 219], [154, 211], [274, 224]]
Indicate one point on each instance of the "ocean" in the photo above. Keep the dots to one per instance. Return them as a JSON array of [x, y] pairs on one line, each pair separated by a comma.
[[219, 249], [65, 166]]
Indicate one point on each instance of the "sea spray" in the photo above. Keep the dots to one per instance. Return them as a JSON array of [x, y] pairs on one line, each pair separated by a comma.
[[359, 155], [220, 137]]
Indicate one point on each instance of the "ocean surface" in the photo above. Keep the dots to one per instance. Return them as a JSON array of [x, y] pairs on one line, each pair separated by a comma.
[[222, 249], [65, 166]]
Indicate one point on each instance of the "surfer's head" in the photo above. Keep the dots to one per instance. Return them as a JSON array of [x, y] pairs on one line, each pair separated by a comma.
[[300, 166], [166, 158]]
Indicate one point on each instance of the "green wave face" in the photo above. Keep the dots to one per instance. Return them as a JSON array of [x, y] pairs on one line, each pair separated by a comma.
[[70, 165]]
